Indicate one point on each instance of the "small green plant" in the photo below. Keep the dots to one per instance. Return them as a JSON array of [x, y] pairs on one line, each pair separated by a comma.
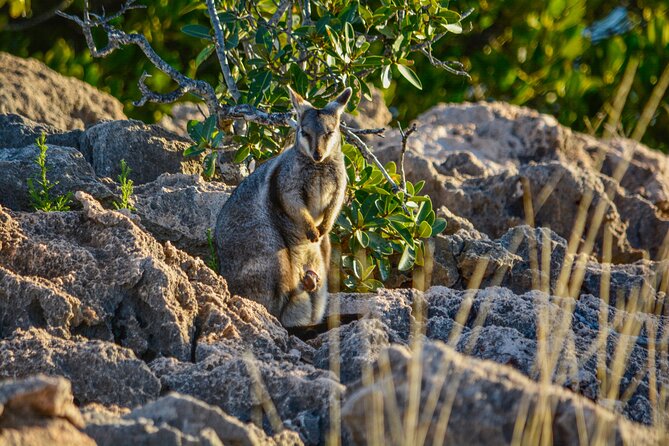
[[212, 258], [206, 137], [127, 186], [375, 233], [40, 188]]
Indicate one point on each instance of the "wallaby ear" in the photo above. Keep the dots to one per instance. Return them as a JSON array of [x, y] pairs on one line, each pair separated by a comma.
[[299, 103], [340, 102]]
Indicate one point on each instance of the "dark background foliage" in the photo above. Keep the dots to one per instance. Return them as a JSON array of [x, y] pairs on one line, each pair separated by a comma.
[[522, 51]]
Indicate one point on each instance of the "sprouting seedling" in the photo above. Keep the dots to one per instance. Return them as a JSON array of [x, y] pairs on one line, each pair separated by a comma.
[[127, 186], [40, 188], [212, 259]]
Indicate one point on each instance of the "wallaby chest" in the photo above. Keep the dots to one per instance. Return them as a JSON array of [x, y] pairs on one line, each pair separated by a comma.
[[322, 187]]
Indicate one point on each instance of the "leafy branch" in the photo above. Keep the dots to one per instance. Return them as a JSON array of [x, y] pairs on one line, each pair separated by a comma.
[[261, 47], [39, 189]]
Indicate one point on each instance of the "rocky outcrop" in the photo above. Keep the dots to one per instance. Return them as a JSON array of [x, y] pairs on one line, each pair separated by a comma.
[[66, 168], [100, 371], [149, 150], [482, 160], [17, 131], [460, 400], [31, 89], [158, 352], [38, 411], [180, 420], [91, 296], [180, 209]]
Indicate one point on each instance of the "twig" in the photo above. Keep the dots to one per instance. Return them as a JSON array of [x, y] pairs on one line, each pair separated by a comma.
[[369, 156], [117, 38], [219, 42], [405, 137], [280, 10], [375, 131], [448, 65]]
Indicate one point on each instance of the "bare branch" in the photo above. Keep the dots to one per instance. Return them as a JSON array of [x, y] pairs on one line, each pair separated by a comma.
[[149, 95], [280, 10], [219, 42], [306, 12], [405, 138], [117, 38], [369, 156], [376, 131], [448, 65], [250, 113]]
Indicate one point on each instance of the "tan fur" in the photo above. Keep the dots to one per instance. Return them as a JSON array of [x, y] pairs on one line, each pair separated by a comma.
[[274, 229]]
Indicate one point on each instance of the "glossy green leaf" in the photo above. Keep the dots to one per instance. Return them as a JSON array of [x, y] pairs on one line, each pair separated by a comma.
[[199, 31], [407, 260], [204, 54], [438, 226], [410, 75]]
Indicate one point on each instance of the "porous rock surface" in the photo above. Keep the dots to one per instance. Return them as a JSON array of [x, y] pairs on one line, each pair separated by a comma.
[[481, 160], [157, 351], [31, 89], [39, 410], [149, 150]]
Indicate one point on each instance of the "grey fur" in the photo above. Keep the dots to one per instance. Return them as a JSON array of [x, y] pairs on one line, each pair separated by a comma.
[[275, 226]]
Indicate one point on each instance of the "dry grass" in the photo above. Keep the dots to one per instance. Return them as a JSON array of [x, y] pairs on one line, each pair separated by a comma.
[[556, 359]]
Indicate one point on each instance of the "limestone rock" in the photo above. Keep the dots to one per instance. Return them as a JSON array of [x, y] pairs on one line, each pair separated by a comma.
[[149, 150], [99, 371], [179, 419], [477, 403], [65, 165], [17, 131], [180, 208], [31, 89], [38, 410], [479, 159], [107, 277]]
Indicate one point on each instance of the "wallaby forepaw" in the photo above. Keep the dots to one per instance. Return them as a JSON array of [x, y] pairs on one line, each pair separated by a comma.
[[310, 281], [313, 234]]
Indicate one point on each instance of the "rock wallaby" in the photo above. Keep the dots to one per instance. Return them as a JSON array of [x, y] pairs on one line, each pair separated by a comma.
[[272, 233]]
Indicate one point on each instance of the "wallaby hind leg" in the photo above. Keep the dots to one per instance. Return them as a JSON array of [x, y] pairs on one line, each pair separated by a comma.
[[319, 297]]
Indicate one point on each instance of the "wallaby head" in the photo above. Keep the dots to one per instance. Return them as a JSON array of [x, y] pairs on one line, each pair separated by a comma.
[[318, 128]]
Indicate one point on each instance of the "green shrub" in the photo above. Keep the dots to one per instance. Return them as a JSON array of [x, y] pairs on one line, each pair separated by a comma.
[[374, 235], [40, 188], [527, 52], [316, 47], [212, 258], [127, 186]]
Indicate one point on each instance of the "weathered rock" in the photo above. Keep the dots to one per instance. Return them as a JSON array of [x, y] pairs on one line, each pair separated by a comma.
[[17, 131], [359, 343], [478, 159], [149, 150], [496, 324], [31, 89], [241, 386], [66, 167], [179, 419], [370, 114], [179, 116], [112, 280], [99, 371], [459, 256], [181, 208], [37, 411], [477, 403]]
